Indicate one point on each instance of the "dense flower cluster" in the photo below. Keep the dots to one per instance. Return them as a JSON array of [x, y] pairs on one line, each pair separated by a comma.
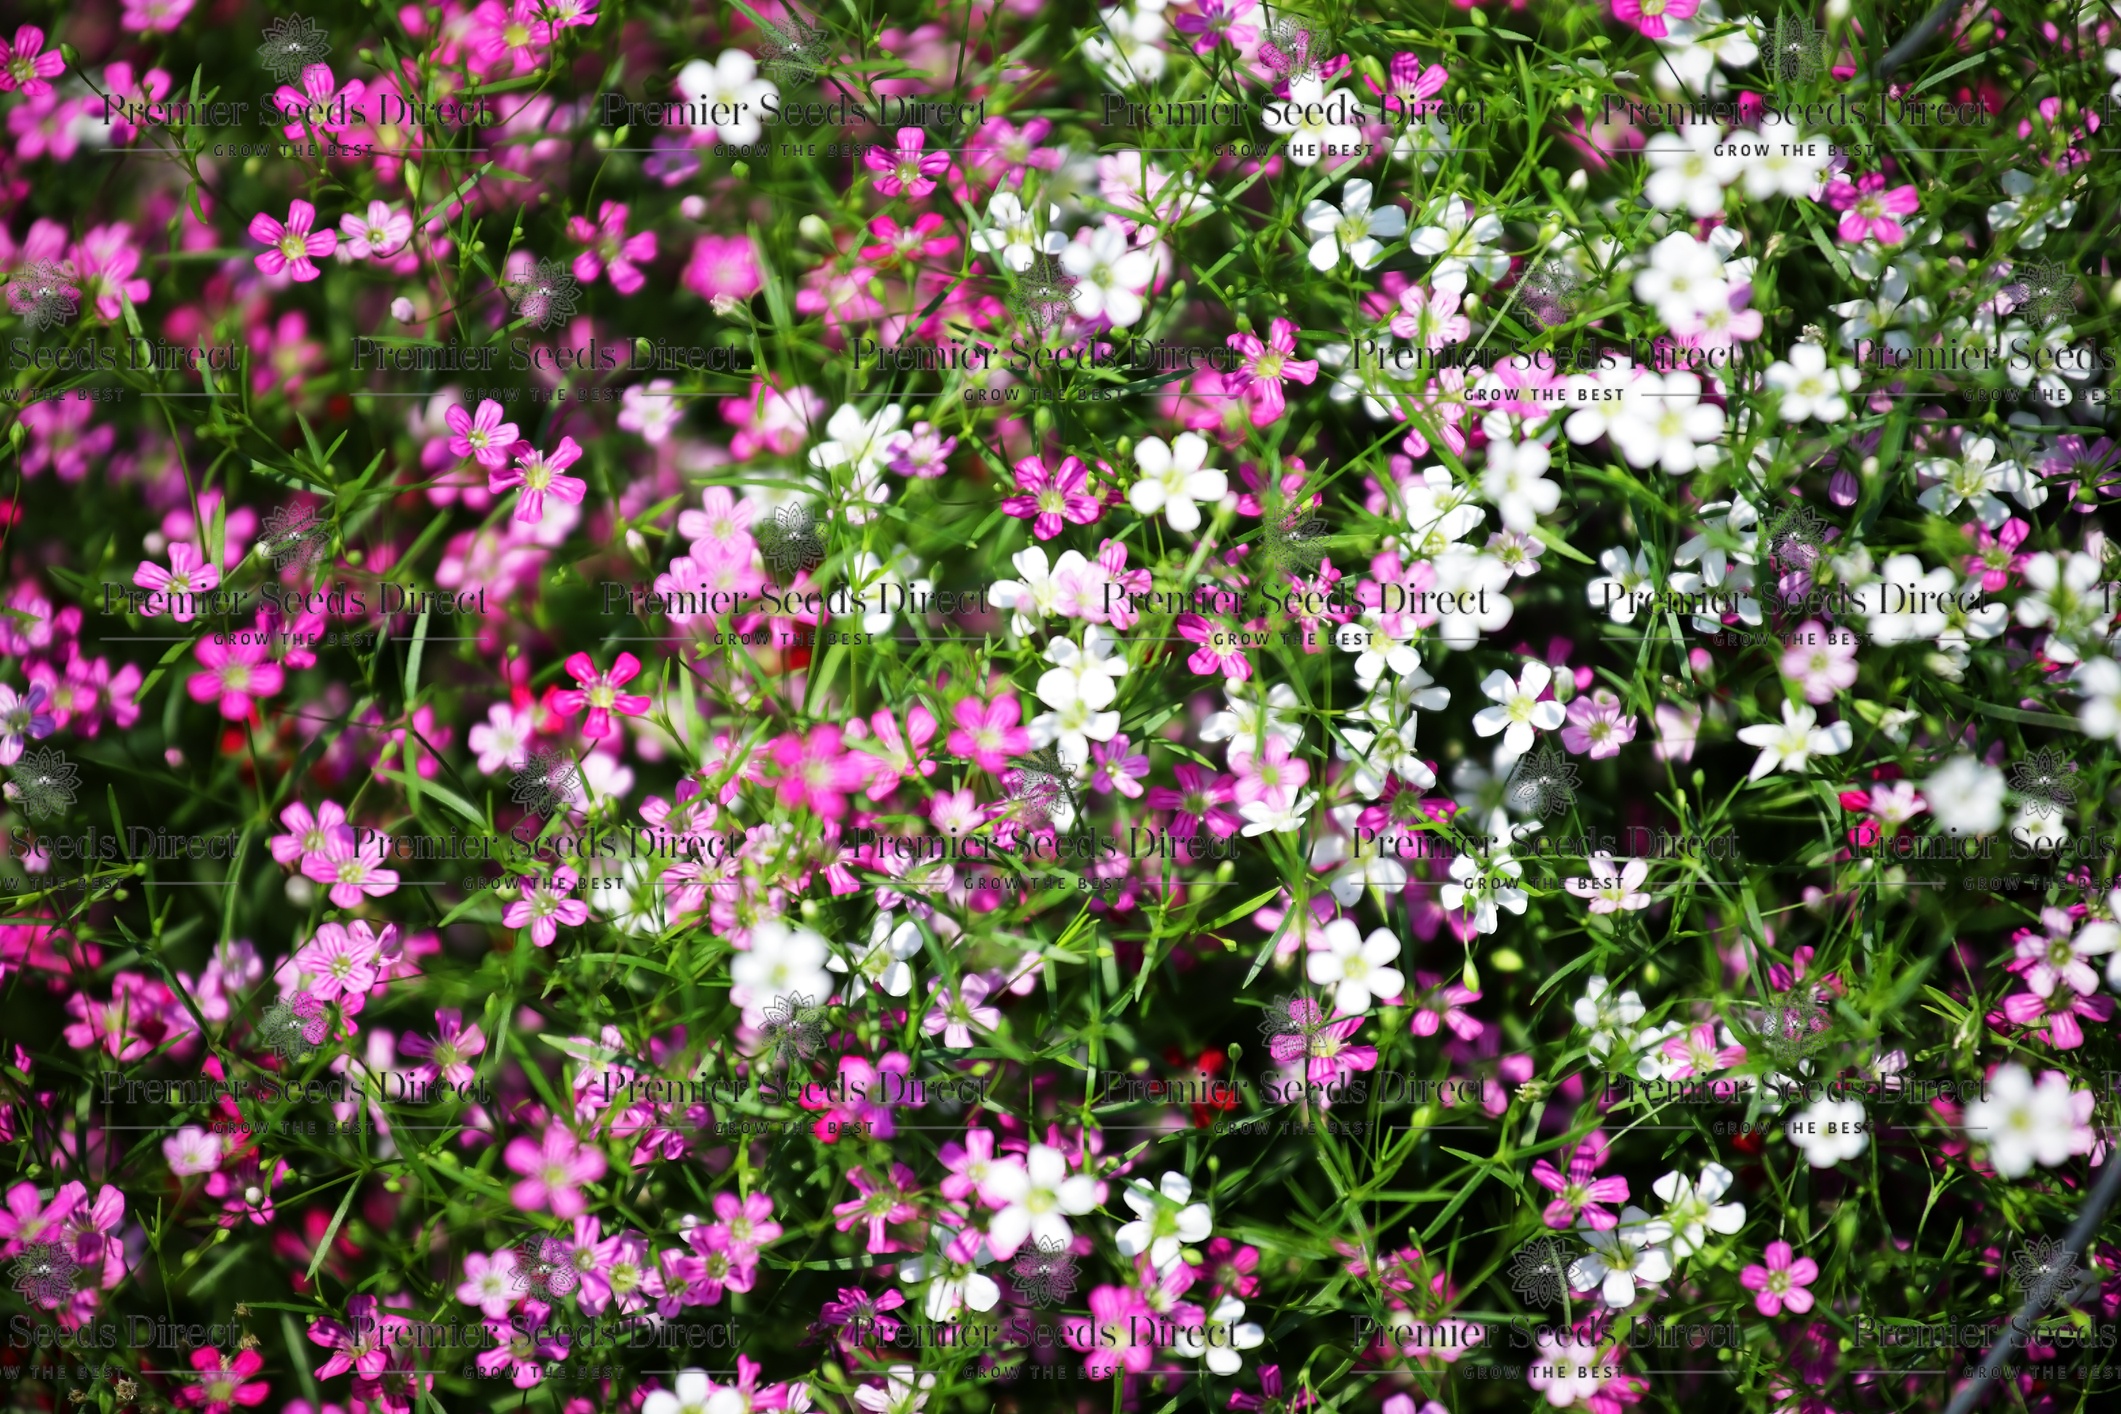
[[1183, 705]]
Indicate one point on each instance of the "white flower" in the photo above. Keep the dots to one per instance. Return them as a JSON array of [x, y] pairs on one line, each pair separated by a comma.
[[2023, 1123], [1164, 1221], [1474, 599], [1249, 721], [2098, 682], [905, 1391], [1972, 479], [2009, 214], [1516, 482], [1791, 165], [1351, 229], [1081, 674], [732, 82], [1045, 589], [1661, 419], [1690, 169], [1830, 1131], [1109, 275], [1966, 797], [1316, 120], [1519, 713], [1174, 476], [1633, 1252], [2064, 593], [1480, 887], [784, 961], [1683, 278], [1692, 1210], [1220, 1336], [1611, 887], [1610, 1018], [882, 962], [1038, 1195], [952, 1274], [1596, 397], [1809, 388], [862, 443], [1459, 237], [1128, 49], [1384, 744], [1365, 863], [1269, 816], [1626, 588], [1357, 968], [696, 1394], [1013, 233], [1378, 642], [1791, 745], [1906, 603]]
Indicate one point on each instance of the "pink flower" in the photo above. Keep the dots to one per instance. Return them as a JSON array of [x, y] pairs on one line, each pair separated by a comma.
[[1266, 367], [816, 771], [341, 960], [540, 475], [154, 15], [489, 1282], [1220, 651], [1867, 209], [1322, 1045], [545, 905], [1277, 779], [352, 868], [306, 833], [235, 673], [1996, 558], [23, 719], [293, 246], [1201, 799], [449, 1054], [378, 234], [723, 266], [1598, 725], [987, 732], [1050, 499], [882, 1202], [221, 1382], [599, 692], [1582, 1191], [906, 167], [189, 574], [555, 1169], [1116, 766], [23, 67], [482, 436], [610, 248], [319, 106], [1441, 1005], [1780, 1285], [953, 1015], [1117, 1312], [1648, 16]]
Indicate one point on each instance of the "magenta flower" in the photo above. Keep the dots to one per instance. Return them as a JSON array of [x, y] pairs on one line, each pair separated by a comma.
[[599, 692], [292, 247], [2092, 472], [360, 1343], [146, 15], [723, 266], [540, 475], [1408, 84], [1266, 367], [341, 961], [319, 106], [1050, 499], [1217, 23], [1780, 1285], [1996, 559], [23, 66], [522, 1345], [1201, 799], [1582, 1191], [1867, 209], [306, 833], [1220, 650], [545, 905], [22, 719], [189, 574], [351, 866], [482, 436], [378, 234], [816, 772], [1116, 766], [235, 673], [1649, 16], [1120, 1333], [882, 1202], [449, 1053], [610, 248], [1321, 1044], [554, 1169], [744, 1224], [987, 732], [1598, 724], [907, 167], [1444, 1005], [221, 1382]]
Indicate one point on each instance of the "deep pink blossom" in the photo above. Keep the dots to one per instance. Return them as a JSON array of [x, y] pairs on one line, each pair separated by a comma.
[[292, 247]]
